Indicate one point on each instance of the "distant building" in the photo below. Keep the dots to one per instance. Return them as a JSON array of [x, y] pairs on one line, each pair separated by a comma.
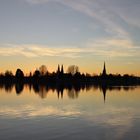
[[60, 72]]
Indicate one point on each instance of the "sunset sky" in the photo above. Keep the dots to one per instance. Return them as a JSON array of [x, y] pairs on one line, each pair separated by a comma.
[[81, 32]]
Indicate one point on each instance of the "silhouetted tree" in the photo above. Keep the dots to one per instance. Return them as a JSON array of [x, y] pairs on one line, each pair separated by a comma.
[[36, 73], [8, 73], [73, 69], [43, 70], [30, 75], [19, 74]]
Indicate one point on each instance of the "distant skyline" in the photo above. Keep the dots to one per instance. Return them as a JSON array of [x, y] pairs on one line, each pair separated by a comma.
[[80, 32]]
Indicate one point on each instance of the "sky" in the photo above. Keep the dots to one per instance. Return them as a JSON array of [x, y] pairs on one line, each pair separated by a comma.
[[80, 32]]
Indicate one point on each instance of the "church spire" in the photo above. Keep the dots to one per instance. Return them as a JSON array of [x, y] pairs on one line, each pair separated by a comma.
[[58, 70], [62, 70], [104, 70]]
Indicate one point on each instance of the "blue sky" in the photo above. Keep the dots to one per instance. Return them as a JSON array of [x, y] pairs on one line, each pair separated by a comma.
[[84, 32]]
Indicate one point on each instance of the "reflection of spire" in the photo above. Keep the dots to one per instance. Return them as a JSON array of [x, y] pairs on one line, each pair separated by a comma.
[[58, 94], [60, 91], [104, 92], [104, 70]]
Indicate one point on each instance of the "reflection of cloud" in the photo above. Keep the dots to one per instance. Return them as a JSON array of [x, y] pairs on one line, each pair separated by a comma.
[[33, 111], [120, 119], [106, 47], [53, 111]]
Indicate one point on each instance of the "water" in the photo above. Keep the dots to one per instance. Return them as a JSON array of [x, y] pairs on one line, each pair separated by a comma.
[[91, 113]]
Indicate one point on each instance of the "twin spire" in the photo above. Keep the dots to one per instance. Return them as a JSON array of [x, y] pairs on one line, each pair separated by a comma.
[[60, 71]]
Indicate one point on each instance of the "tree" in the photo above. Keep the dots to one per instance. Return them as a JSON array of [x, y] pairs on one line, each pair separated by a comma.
[[73, 69], [43, 70], [19, 73], [36, 73], [8, 73]]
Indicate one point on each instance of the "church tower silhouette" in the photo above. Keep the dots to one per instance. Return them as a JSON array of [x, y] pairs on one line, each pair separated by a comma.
[[104, 70], [58, 70]]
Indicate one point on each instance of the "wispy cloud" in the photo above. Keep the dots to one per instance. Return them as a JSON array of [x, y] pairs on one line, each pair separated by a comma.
[[104, 47], [37, 1], [29, 50], [101, 12], [114, 17], [114, 48]]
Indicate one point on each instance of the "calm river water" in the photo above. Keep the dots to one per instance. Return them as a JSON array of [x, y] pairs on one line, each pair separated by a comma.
[[90, 113]]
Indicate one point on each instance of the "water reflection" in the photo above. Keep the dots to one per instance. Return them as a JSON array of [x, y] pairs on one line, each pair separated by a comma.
[[72, 91], [87, 117]]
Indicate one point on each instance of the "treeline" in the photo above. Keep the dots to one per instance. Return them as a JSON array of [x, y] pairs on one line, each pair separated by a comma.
[[69, 78]]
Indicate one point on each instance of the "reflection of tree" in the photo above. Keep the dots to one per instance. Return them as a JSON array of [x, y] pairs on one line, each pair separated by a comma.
[[1, 86], [73, 90], [36, 88], [126, 88], [88, 87], [19, 88], [8, 87], [118, 88], [40, 90], [72, 93]]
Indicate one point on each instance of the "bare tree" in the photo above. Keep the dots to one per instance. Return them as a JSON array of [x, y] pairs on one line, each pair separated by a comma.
[[8, 73], [73, 69], [43, 70]]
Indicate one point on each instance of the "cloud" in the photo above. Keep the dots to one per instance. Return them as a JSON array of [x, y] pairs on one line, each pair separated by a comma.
[[113, 16], [101, 12], [106, 11], [114, 48], [38, 51], [104, 48], [37, 1]]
